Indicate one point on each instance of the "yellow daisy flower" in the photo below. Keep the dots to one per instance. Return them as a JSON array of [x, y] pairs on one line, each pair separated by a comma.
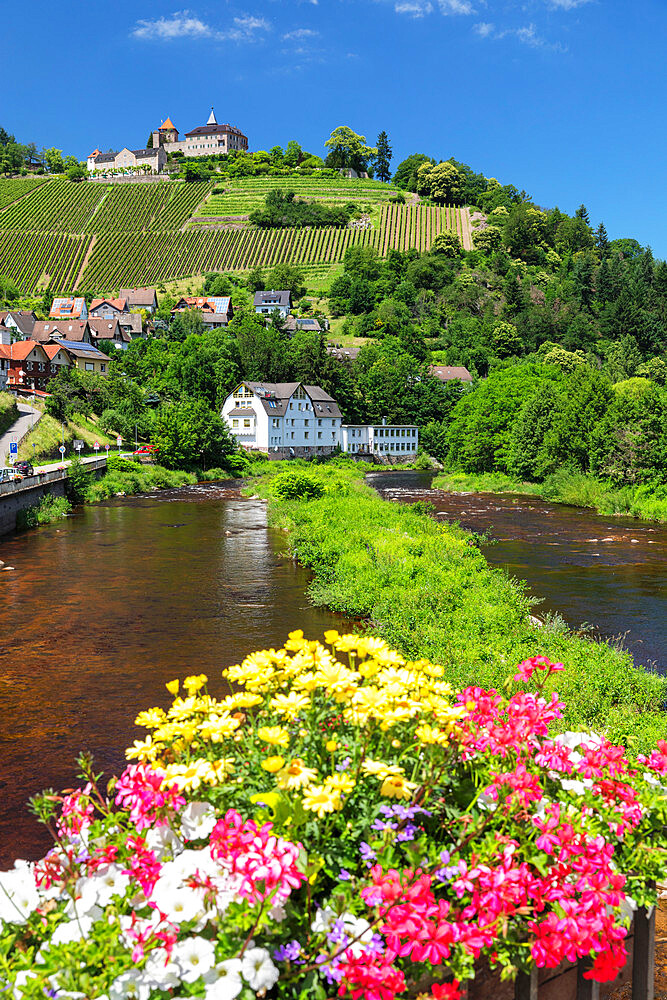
[[275, 735], [273, 764], [321, 800], [396, 786], [290, 705]]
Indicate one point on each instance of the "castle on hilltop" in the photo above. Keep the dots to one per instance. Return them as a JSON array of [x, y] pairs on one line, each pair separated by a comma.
[[204, 140]]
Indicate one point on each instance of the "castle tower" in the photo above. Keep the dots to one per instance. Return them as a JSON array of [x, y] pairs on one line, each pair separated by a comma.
[[167, 132], [211, 118]]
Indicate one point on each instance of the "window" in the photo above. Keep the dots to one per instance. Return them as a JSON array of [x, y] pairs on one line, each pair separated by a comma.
[[235, 423], [29, 366], [41, 366], [319, 435], [90, 366], [319, 423], [306, 434], [103, 368], [246, 422]]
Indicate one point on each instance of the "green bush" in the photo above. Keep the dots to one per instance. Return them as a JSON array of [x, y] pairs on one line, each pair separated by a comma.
[[297, 486], [50, 508]]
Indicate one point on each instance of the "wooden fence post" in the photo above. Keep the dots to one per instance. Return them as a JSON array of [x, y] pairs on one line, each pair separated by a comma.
[[643, 962], [587, 989], [525, 987]]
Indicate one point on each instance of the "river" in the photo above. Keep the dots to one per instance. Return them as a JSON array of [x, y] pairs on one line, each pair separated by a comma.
[[105, 607], [605, 575]]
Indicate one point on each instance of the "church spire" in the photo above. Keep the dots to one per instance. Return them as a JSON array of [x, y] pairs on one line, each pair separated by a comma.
[[211, 118]]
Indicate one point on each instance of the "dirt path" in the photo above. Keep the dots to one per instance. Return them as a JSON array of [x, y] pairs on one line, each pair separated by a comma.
[[84, 262]]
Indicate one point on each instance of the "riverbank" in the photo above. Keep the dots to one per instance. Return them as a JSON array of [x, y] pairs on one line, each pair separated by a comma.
[[427, 589], [565, 486]]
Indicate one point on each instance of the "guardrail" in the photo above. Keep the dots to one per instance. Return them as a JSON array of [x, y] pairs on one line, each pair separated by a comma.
[[44, 478]]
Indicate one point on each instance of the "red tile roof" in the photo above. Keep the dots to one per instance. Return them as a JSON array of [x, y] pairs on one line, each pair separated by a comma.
[[119, 304]]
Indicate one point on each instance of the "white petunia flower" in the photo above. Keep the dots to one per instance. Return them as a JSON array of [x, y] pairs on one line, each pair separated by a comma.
[[162, 841], [18, 895], [76, 929], [99, 889], [258, 969], [161, 972], [197, 820], [324, 920], [132, 984], [224, 981], [179, 903], [194, 957]]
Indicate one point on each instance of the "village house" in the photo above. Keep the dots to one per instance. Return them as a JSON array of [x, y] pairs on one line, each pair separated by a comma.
[[285, 419], [87, 358], [132, 323], [151, 161], [139, 298], [204, 140], [45, 330], [20, 320], [444, 373], [28, 366], [215, 311], [305, 323], [266, 303], [5, 335], [69, 308], [108, 308], [380, 439], [110, 331]]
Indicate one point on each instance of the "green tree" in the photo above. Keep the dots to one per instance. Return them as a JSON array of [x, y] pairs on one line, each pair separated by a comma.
[[293, 154], [348, 150], [9, 291], [54, 160], [506, 340], [602, 241], [287, 277], [77, 172], [447, 244], [487, 240], [383, 157], [405, 176], [191, 435]]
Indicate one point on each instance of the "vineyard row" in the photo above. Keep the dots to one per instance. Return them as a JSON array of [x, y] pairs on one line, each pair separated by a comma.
[[147, 258]]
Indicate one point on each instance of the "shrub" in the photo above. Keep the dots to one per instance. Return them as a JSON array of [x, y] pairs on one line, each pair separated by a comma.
[[50, 508], [297, 486]]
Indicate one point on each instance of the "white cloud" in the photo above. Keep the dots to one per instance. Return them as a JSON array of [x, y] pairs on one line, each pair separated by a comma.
[[184, 24], [413, 8], [300, 33], [181, 24], [567, 4], [484, 29], [455, 7]]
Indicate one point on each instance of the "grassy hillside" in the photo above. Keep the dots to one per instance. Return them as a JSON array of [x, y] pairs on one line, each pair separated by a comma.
[[47, 437], [100, 237], [8, 411]]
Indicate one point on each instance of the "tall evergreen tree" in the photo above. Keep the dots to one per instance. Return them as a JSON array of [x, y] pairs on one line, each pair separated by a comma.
[[602, 241], [582, 213], [383, 157]]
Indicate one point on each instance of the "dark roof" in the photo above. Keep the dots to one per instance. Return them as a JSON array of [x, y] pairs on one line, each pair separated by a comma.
[[273, 298], [302, 323], [63, 328], [215, 130], [279, 393], [24, 319], [84, 350], [242, 413], [139, 296], [131, 322], [324, 405], [105, 157], [139, 153], [108, 329], [446, 373]]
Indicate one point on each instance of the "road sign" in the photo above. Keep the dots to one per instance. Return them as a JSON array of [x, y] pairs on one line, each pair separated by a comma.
[[107, 448], [13, 447], [62, 449], [78, 445], [96, 446], [119, 440]]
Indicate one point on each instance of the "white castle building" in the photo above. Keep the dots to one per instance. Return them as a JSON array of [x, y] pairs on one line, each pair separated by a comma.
[[203, 140], [290, 420]]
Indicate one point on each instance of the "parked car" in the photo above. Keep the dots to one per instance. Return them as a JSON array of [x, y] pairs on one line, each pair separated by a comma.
[[10, 476], [25, 468], [146, 453]]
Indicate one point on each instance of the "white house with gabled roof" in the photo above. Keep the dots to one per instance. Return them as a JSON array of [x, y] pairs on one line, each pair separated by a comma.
[[285, 419]]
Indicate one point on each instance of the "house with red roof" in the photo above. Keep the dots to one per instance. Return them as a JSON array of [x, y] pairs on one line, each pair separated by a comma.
[[69, 307], [215, 311], [108, 308]]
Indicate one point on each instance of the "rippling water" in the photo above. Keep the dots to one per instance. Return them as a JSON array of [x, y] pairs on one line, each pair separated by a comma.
[[103, 608], [608, 574]]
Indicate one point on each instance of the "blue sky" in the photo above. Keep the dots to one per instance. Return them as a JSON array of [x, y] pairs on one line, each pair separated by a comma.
[[564, 98]]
